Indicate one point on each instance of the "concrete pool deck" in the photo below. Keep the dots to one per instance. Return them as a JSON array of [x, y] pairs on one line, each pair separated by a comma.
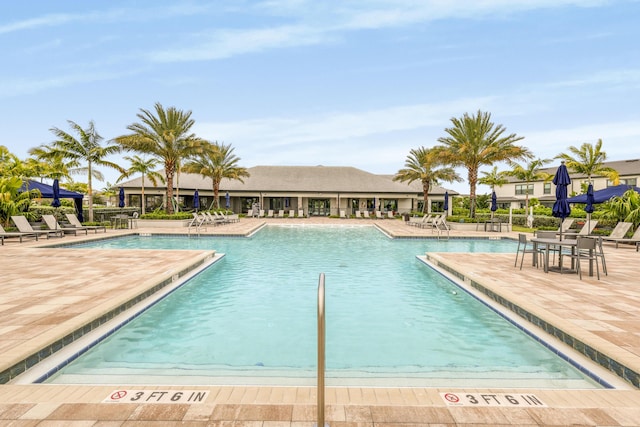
[[68, 290]]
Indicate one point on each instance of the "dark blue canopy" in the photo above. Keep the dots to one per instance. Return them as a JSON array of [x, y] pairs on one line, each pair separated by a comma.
[[47, 193], [604, 195]]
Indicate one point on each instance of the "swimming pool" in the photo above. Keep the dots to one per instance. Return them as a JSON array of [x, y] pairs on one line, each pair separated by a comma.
[[250, 319]]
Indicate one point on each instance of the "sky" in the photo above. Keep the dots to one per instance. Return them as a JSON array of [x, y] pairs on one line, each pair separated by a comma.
[[336, 83]]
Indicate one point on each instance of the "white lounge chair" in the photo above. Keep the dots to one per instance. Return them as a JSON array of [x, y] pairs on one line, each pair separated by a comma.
[[281, 213], [379, 215], [53, 224], [24, 227], [17, 234], [270, 213], [73, 220], [343, 215], [633, 239], [300, 213], [390, 215], [365, 214], [261, 213], [292, 213]]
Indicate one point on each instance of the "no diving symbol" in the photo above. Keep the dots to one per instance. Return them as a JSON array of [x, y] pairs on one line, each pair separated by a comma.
[[452, 398], [118, 395]]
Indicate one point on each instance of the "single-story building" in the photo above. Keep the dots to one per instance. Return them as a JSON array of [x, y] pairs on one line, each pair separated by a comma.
[[318, 190]]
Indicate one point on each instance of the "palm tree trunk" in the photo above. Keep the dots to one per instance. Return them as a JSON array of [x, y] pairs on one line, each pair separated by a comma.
[[90, 192], [169, 173], [216, 191], [142, 210], [473, 181]]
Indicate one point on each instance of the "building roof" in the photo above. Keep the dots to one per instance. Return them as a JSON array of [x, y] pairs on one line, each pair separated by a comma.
[[623, 167], [302, 179]]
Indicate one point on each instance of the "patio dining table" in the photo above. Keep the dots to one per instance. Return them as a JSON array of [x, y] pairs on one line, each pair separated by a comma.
[[557, 243]]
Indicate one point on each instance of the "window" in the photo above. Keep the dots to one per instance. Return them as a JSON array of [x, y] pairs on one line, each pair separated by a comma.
[[547, 188], [628, 181], [524, 189]]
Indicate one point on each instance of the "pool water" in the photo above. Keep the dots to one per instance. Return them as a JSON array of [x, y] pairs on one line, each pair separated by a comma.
[[251, 318]]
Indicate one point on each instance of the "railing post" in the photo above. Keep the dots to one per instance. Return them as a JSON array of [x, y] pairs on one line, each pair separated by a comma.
[[321, 351]]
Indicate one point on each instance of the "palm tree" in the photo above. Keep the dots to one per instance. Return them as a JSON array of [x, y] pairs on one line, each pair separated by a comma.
[[216, 161], [493, 178], [146, 168], [474, 141], [422, 165], [165, 136], [624, 208], [589, 160], [54, 167], [531, 172], [87, 148]]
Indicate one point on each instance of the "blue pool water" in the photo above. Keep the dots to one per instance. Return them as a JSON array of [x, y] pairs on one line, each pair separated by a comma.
[[251, 318]]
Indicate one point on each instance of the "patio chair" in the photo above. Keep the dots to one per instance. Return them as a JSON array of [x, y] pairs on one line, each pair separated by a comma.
[[53, 224], [270, 213], [522, 249], [73, 220], [17, 234], [390, 215], [24, 227], [588, 227], [281, 213], [300, 213], [566, 224], [261, 213], [585, 250], [633, 239], [618, 233], [379, 215], [343, 215], [291, 213], [365, 214]]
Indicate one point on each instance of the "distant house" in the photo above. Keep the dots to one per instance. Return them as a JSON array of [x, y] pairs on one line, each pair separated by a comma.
[[318, 190], [513, 194]]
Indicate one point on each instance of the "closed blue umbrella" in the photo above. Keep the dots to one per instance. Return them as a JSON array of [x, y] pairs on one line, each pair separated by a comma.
[[446, 201], [227, 201], [494, 203], [589, 206], [561, 208], [56, 194], [121, 198], [196, 200]]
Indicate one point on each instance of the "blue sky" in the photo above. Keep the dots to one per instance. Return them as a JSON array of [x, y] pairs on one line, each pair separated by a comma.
[[336, 83]]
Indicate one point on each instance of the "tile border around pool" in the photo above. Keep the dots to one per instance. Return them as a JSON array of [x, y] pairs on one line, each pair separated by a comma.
[[35, 358], [581, 347]]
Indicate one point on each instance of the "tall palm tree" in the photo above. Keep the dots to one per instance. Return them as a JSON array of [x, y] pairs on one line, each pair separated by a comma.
[[531, 172], [473, 141], [216, 161], [422, 165], [143, 166], [54, 167], [493, 178], [165, 136], [589, 160], [86, 149]]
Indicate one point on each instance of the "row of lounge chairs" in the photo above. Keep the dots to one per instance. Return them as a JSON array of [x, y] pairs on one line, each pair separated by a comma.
[[205, 218], [261, 213], [54, 229], [367, 215]]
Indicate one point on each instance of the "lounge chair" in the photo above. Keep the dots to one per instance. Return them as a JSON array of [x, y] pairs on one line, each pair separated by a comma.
[[588, 227], [390, 215], [261, 213], [300, 213], [618, 233], [343, 215], [52, 223], [197, 221], [281, 213], [17, 234], [379, 215], [270, 213], [365, 214], [357, 214], [633, 239], [292, 213], [24, 227], [73, 220], [566, 225]]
